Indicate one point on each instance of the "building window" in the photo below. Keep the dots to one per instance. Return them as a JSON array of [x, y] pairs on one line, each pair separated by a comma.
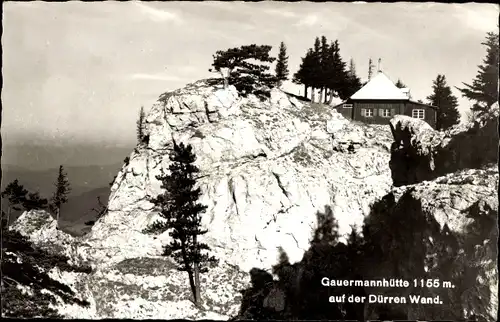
[[368, 112], [385, 112], [347, 106], [418, 114]]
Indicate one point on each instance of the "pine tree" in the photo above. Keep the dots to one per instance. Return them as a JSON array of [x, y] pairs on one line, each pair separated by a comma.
[[16, 196], [442, 97], [339, 78], [324, 62], [353, 81], [181, 212], [304, 74], [317, 72], [60, 196], [400, 84], [484, 88], [248, 77], [282, 71], [140, 125], [35, 202], [352, 68]]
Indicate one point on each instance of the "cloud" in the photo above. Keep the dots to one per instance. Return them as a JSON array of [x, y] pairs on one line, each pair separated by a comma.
[[484, 18], [309, 20], [157, 77], [157, 15], [282, 13]]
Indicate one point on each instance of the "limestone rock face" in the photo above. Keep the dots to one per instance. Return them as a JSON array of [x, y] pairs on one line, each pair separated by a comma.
[[267, 168], [420, 153]]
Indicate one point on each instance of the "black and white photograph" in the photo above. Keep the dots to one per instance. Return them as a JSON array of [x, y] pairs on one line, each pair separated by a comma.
[[236, 161]]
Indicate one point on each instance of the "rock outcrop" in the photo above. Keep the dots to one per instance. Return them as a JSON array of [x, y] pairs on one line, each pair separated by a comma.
[[267, 168], [419, 153]]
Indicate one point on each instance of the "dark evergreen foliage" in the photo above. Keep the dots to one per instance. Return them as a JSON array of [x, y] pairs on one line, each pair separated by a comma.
[[281, 69], [484, 88], [60, 196], [181, 212], [16, 197], [247, 68], [353, 80], [35, 202], [323, 68], [140, 125], [304, 74], [442, 97], [25, 265]]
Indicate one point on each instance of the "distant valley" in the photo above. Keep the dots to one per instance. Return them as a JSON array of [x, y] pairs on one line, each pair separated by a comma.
[[36, 168]]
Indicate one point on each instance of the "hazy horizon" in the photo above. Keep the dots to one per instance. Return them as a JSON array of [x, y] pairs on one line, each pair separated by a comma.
[[79, 72]]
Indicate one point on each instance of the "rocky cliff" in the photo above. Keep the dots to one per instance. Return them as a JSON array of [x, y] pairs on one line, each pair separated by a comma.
[[419, 153], [267, 168]]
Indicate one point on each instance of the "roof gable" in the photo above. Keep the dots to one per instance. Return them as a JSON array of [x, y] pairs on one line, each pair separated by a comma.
[[380, 87]]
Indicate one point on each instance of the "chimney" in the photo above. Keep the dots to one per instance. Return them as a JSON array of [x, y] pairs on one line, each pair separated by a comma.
[[379, 65]]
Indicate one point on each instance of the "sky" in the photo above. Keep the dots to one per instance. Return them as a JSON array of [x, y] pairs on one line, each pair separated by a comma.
[[80, 71]]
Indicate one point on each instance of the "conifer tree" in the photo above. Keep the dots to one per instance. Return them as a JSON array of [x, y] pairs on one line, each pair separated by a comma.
[[442, 97], [246, 68], [181, 212], [304, 74], [353, 81], [35, 202], [282, 71], [16, 197], [60, 196], [339, 78], [140, 125], [324, 72], [484, 88], [317, 72]]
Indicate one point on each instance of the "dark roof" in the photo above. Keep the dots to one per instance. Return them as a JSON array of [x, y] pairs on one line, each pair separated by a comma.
[[423, 104]]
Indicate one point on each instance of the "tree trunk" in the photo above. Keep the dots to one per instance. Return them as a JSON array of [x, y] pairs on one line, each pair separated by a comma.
[[193, 286], [189, 271], [197, 270], [305, 91], [331, 97], [8, 215], [197, 284], [58, 212], [313, 95]]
